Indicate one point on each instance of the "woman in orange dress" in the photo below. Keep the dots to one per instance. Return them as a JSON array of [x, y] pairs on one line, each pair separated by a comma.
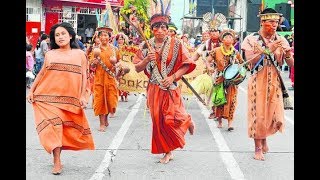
[[222, 57], [58, 97], [105, 91], [165, 64], [266, 51]]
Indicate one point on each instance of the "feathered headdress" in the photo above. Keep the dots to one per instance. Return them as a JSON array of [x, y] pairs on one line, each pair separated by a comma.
[[160, 14], [106, 20], [213, 22]]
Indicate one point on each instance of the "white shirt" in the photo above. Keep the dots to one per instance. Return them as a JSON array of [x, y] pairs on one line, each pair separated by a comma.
[[89, 32]]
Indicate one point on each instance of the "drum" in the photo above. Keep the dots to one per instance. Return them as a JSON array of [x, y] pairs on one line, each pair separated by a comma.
[[234, 73]]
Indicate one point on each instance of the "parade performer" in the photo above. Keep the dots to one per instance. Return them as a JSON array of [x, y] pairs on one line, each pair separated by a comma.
[[89, 52], [266, 51], [164, 60], [292, 68], [186, 43], [201, 82], [172, 29], [58, 97], [121, 42], [205, 36], [105, 91], [222, 57]]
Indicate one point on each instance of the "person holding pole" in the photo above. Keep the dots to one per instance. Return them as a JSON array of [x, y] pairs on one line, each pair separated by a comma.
[[165, 60]]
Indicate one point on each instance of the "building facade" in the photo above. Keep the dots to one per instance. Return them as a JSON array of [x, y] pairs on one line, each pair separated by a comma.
[[42, 14]]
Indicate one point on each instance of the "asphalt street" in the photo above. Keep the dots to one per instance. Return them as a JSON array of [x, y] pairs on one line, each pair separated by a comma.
[[123, 151]]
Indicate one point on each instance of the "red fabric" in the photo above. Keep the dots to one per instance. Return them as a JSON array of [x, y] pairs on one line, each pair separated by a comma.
[[51, 19], [170, 121], [292, 75], [169, 118]]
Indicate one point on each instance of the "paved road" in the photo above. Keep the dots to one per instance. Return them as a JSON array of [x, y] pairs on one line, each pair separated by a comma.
[[123, 151]]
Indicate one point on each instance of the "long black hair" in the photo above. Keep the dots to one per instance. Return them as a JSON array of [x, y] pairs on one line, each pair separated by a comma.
[[70, 30]]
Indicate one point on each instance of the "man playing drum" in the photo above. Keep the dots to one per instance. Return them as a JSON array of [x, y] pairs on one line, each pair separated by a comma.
[[222, 57]]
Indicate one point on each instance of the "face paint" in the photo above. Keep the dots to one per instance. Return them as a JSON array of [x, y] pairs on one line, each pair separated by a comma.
[[270, 26], [160, 31], [214, 35]]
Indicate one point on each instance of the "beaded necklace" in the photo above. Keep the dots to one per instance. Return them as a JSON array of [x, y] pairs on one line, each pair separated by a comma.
[[228, 52]]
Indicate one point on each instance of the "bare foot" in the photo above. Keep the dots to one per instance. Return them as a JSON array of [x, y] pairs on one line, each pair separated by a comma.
[[102, 128], [265, 149], [219, 123], [211, 116], [57, 169], [166, 158], [258, 155], [107, 123], [111, 115], [191, 128]]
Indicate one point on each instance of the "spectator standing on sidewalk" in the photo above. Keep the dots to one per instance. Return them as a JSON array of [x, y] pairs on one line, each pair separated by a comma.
[[29, 63], [44, 48]]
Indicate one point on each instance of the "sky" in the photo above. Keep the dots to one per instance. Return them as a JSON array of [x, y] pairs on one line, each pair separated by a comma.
[[177, 11]]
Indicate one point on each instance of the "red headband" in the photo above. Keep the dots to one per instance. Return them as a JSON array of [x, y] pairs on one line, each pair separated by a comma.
[[160, 18]]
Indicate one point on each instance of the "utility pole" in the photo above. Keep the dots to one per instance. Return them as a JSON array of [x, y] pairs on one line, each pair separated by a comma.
[[182, 28]]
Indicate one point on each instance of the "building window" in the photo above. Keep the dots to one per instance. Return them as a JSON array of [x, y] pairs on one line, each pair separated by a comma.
[[32, 14]]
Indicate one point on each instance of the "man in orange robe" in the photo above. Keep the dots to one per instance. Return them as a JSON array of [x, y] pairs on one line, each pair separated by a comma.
[[164, 62], [105, 91], [266, 51]]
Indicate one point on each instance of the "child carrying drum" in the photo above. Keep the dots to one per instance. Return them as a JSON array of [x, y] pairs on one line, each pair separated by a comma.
[[223, 57]]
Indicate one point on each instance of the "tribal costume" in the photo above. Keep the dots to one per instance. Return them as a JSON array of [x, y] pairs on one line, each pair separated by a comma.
[[169, 117], [59, 119]]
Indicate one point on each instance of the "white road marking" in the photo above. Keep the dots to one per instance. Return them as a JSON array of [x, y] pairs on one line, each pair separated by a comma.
[[226, 155], [117, 140], [289, 119], [286, 117]]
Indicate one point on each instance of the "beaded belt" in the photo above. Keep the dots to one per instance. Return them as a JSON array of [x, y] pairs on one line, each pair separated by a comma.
[[106, 68]]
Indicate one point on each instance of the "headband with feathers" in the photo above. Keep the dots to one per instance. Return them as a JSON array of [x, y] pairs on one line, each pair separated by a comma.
[[162, 14]]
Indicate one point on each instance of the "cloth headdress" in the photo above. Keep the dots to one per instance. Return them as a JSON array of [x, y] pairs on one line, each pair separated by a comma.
[[269, 13], [173, 27]]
